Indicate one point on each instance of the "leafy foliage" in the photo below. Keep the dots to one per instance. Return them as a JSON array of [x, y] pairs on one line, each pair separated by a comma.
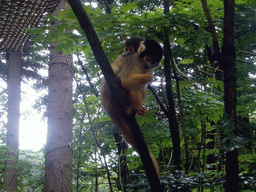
[[210, 134]]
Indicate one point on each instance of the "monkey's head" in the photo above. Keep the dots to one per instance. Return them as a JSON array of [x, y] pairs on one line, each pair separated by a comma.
[[131, 45], [152, 54]]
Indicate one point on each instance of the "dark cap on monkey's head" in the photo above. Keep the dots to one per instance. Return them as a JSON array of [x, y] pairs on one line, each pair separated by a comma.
[[153, 49]]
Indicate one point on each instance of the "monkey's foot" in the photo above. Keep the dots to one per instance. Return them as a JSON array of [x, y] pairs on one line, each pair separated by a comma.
[[141, 111], [129, 110]]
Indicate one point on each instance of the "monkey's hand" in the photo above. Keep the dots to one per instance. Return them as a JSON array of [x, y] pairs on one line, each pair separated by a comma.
[[141, 48], [141, 77]]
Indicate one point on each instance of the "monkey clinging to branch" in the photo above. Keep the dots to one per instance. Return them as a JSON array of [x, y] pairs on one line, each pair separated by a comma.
[[134, 69]]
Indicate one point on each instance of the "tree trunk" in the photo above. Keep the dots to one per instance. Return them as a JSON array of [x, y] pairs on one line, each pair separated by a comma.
[[58, 159], [173, 123], [226, 62], [229, 57], [12, 138]]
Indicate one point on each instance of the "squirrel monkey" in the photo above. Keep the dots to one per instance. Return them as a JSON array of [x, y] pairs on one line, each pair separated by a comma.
[[134, 70], [131, 45], [134, 85]]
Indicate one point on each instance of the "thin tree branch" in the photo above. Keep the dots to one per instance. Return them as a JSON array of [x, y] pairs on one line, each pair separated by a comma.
[[242, 61], [167, 114], [250, 53], [5, 164], [4, 91], [215, 69], [211, 26], [108, 11], [201, 71], [10, 182], [174, 66], [87, 76], [107, 6]]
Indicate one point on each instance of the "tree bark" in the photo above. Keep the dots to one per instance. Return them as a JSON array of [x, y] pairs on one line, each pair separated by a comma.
[[12, 138], [229, 66], [58, 160]]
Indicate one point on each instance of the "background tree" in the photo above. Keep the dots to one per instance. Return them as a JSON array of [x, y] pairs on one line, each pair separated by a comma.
[[58, 160], [12, 135], [229, 66]]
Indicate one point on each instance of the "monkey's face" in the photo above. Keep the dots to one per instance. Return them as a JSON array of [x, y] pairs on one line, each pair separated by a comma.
[[132, 45], [128, 50], [149, 62]]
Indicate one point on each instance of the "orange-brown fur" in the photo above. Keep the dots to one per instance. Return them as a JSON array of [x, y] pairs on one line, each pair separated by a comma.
[[134, 73]]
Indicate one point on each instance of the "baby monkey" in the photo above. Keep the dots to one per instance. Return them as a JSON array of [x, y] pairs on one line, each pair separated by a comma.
[[131, 45]]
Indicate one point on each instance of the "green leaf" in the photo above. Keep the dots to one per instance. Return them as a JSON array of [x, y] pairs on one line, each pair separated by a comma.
[[55, 33], [180, 41], [186, 61]]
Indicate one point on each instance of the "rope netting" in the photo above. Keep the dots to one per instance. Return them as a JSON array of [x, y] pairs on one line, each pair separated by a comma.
[[18, 15]]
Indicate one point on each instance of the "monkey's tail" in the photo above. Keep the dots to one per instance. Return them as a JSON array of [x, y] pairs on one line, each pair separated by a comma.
[[154, 162], [125, 131]]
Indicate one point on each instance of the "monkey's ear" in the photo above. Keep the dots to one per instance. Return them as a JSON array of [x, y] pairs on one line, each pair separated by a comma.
[[141, 47]]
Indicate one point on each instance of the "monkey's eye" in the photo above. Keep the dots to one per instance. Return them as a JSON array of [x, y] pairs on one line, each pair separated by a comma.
[[126, 49], [131, 50]]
